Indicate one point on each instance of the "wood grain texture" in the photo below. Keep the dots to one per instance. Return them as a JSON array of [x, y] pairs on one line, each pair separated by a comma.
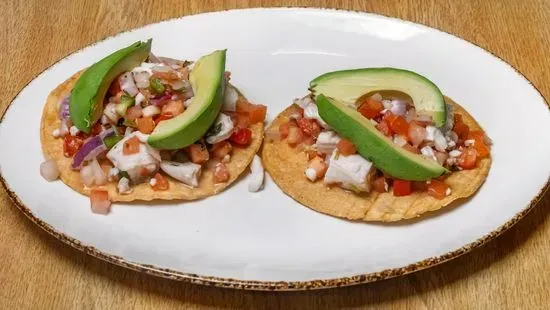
[[37, 271]]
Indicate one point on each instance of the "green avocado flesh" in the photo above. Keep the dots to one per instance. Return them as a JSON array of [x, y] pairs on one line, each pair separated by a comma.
[[86, 101], [350, 85], [208, 84], [373, 145]]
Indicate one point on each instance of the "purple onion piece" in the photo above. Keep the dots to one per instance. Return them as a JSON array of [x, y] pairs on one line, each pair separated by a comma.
[[64, 113], [91, 149], [161, 100]]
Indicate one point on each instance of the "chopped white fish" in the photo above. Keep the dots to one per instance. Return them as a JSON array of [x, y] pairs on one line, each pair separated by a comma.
[[111, 113], [350, 172], [310, 110], [128, 131], [399, 140], [311, 174], [437, 137], [230, 98], [327, 141], [150, 110], [455, 153], [56, 133], [430, 133], [221, 130], [104, 120], [74, 131], [428, 152], [141, 136], [153, 182], [147, 67], [124, 187], [113, 174], [146, 157], [226, 158], [188, 173], [257, 175]]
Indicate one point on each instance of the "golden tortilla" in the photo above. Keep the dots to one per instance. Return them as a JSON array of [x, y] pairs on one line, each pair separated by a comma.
[[286, 165], [53, 149]]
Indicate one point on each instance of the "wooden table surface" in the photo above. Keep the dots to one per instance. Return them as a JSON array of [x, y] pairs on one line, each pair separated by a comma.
[[38, 271]]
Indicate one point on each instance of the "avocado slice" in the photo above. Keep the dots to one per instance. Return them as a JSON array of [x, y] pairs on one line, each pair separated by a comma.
[[86, 100], [373, 145], [208, 85], [350, 85]]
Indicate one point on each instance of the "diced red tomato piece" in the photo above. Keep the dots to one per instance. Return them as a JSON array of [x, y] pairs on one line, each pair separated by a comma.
[[380, 185], [99, 201], [437, 189], [419, 186], [400, 126], [410, 148], [133, 113], [221, 173], [161, 183], [294, 136], [130, 146], [96, 129], [283, 130], [257, 113], [371, 108], [114, 88], [240, 119], [416, 133], [309, 127], [242, 105], [71, 144], [467, 160], [241, 136], [318, 164], [198, 153], [174, 108], [145, 124], [384, 128], [346, 147], [479, 145], [401, 187], [461, 130], [162, 117], [457, 118], [220, 149]]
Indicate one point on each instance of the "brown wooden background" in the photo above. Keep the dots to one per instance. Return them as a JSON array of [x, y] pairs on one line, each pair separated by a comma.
[[37, 271]]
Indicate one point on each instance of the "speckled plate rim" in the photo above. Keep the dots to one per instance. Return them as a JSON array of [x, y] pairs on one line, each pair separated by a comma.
[[272, 285]]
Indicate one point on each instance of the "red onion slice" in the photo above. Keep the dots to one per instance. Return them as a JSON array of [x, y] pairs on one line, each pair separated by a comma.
[[161, 100], [64, 112], [91, 149]]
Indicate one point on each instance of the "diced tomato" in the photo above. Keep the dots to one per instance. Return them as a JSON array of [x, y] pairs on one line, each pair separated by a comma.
[[114, 88], [384, 128], [380, 185], [371, 108], [221, 173], [410, 148], [401, 187], [143, 172], [241, 136], [416, 133], [133, 113], [198, 153], [162, 117], [283, 130], [318, 164], [457, 118], [96, 129], [173, 108], [437, 189], [480, 146], [257, 113], [161, 183], [295, 136], [242, 105], [130, 146], [419, 186], [400, 126], [71, 144], [99, 201], [467, 160], [240, 119], [309, 127], [220, 149], [145, 124], [346, 147], [462, 131]]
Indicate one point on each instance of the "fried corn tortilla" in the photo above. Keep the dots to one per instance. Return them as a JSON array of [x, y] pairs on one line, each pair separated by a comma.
[[286, 165], [53, 149]]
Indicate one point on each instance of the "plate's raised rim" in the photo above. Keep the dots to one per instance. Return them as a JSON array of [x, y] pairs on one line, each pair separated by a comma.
[[271, 285]]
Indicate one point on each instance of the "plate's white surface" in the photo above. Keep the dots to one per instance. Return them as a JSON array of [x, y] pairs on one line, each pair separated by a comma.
[[266, 236]]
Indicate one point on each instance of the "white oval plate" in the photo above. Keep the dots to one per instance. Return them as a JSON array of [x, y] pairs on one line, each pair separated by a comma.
[[266, 240]]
